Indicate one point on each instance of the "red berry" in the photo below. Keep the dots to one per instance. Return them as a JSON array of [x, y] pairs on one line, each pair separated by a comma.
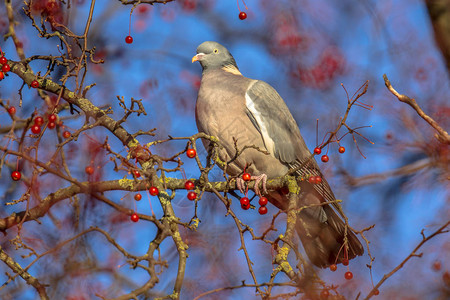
[[189, 185], [191, 153], [262, 210], [153, 191], [12, 110], [312, 180], [2, 75], [341, 149], [128, 39], [333, 267], [3, 60], [376, 292], [137, 197], [51, 125], [16, 175], [134, 217], [246, 176], [242, 15], [52, 118], [192, 195], [35, 84], [89, 170], [348, 275], [35, 129], [318, 179], [263, 201], [345, 262], [136, 173], [317, 150], [324, 294], [6, 68], [325, 158], [39, 121], [66, 134], [245, 203]]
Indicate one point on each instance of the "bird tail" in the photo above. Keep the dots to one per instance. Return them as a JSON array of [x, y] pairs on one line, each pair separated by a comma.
[[327, 243], [321, 231]]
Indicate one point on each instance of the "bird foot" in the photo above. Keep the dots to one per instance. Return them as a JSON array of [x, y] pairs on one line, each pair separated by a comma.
[[240, 184], [263, 179]]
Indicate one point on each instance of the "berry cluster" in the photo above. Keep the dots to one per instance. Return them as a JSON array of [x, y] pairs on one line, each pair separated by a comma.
[[39, 121], [325, 157], [315, 180], [189, 185], [245, 202], [5, 66]]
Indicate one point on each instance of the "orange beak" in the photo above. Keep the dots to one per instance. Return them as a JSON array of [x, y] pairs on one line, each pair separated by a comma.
[[197, 57]]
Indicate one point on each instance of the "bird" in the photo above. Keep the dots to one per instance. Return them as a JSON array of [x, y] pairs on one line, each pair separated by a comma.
[[247, 112]]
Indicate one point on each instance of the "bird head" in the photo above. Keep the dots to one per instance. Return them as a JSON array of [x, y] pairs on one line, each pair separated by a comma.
[[213, 55]]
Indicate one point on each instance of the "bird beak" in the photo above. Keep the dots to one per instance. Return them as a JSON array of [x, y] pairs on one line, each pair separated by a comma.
[[198, 57]]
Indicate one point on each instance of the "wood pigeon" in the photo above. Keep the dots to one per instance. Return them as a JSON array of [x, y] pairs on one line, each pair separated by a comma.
[[233, 107]]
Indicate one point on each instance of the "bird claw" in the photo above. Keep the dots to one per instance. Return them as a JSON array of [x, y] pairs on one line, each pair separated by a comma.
[[240, 184], [260, 178]]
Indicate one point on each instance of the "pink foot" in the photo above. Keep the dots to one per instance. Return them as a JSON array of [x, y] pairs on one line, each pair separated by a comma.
[[240, 184], [260, 178]]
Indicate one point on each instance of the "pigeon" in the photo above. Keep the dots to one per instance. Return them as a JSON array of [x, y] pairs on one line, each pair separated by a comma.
[[240, 112]]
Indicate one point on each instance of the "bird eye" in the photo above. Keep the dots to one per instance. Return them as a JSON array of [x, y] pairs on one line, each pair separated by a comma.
[[216, 50]]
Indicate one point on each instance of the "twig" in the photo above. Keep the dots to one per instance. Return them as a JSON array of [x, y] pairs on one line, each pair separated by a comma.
[[441, 134], [411, 255]]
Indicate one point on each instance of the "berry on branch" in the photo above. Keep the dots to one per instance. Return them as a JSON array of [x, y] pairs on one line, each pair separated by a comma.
[[192, 196], [12, 110], [189, 185], [245, 203], [128, 39], [262, 210], [348, 275], [153, 191], [263, 201], [38, 121], [191, 153], [134, 217], [35, 84], [246, 176], [35, 129], [16, 175], [6, 68]]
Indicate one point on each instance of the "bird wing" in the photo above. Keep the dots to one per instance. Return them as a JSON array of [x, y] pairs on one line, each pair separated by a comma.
[[271, 117]]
